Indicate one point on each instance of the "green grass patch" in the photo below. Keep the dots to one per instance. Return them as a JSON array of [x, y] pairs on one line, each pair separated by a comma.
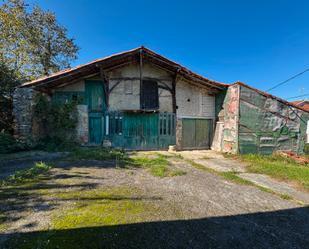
[[27, 175], [93, 221], [157, 165], [3, 224], [101, 207], [97, 154], [233, 177], [278, 167], [177, 172]]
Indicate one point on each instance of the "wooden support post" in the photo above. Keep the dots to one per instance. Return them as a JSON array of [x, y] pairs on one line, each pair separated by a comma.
[[174, 90], [142, 104], [105, 80]]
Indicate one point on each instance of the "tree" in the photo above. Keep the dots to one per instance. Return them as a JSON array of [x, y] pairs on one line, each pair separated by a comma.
[[8, 83], [50, 47], [32, 42]]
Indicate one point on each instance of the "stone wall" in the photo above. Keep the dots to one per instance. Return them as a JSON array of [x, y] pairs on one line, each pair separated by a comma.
[[179, 134], [82, 129], [23, 103], [230, 115]]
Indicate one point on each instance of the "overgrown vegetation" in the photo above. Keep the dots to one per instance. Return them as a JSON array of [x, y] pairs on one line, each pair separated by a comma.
[[306, 149], [27, 175], [57, 123], [9, 145], [8, 81], [278, 167], [98, 153], [157, 165]]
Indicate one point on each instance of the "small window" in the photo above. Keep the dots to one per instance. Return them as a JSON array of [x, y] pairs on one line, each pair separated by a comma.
[[149, 95], [115, 124], [128, 87]]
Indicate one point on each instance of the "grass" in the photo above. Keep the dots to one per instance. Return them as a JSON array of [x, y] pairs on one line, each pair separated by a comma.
[[157, 166], [101, 207], [96, 154], [3, 225], [233, 177], [27, 175], [91, 220], [278, 167]]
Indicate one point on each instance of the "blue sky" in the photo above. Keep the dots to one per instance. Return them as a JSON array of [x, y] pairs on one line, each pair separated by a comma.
[[260, 42]]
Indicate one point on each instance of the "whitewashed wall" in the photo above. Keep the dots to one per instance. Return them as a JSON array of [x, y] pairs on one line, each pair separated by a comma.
[[193, 101]]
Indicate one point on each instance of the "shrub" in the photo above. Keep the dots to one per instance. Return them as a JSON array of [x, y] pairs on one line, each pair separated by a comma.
[[57, 122], [8, 144], [306, 149]]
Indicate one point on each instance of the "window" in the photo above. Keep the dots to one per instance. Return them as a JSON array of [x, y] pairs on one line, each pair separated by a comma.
[[115, 123], [149, 95]]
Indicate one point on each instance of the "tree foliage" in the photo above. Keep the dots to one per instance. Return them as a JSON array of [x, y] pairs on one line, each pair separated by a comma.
[[57, 122], [32, 42], [7, 84]]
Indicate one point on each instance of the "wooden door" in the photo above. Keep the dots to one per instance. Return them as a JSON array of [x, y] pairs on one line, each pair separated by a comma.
[[196, 133], [141, 131], [95, 99]]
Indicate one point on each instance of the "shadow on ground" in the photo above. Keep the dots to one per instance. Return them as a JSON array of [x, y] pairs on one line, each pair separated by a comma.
[[279, 229]]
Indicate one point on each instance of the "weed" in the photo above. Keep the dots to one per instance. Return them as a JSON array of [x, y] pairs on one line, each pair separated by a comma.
[[97, 154], [27, 175]]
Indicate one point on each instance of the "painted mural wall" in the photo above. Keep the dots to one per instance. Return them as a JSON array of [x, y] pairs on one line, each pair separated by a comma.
[[267, 125]]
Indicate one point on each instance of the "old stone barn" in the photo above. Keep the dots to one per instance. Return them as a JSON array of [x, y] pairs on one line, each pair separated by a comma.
[[141, 100]]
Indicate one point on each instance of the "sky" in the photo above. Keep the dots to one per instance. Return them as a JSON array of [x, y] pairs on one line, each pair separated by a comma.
[[258, 42]]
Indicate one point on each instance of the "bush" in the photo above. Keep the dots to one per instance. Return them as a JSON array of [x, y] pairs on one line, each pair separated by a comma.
[[9, 145], [306, 149], [57, 123]]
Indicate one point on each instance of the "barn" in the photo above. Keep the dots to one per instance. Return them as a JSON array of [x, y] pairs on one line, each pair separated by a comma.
[[140, 100]]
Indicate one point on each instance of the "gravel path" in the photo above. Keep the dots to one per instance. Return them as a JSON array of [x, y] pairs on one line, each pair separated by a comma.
[[198, 209], [216, 161]]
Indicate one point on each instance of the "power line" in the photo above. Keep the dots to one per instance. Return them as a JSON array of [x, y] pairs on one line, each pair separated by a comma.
[[285, 81], [294, 97]]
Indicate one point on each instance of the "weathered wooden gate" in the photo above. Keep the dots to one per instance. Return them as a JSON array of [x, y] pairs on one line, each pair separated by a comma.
[[196, 133], [95, 99], [142, 131]]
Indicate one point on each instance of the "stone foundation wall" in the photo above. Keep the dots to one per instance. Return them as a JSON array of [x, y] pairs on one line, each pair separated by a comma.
[[179, 134], [23, 103]]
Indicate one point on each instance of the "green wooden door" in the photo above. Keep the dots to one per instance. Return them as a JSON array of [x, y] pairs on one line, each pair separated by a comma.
[[95, 99], [141, 131], [196, 133]]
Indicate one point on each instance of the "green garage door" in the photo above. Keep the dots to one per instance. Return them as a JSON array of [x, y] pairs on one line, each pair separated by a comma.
[[196, 133]]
